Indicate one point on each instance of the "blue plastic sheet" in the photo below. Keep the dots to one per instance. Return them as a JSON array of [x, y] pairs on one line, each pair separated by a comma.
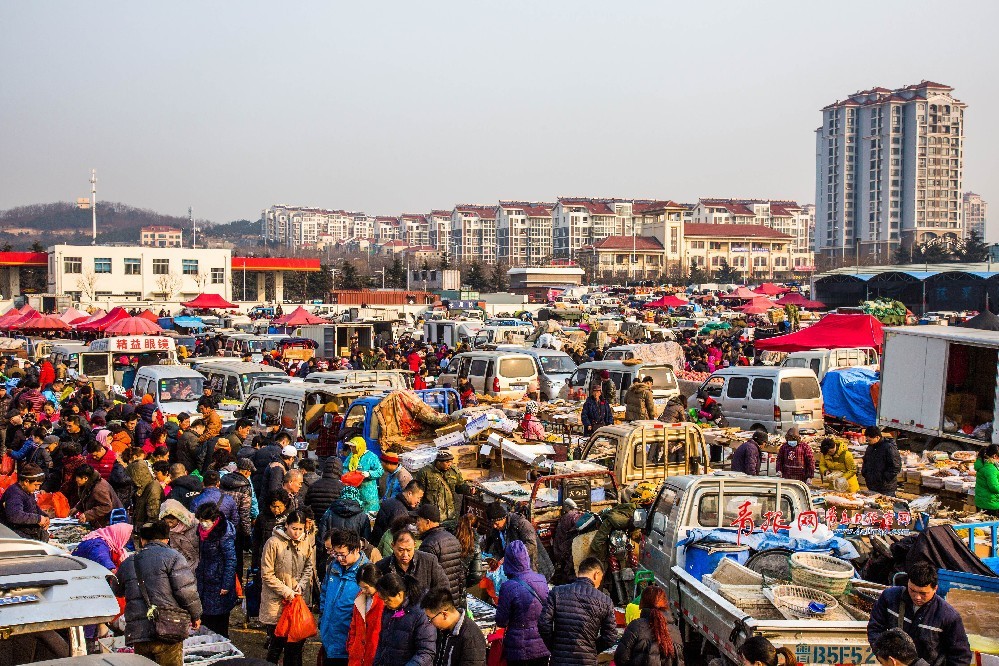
[[847, 395], [759, 540]]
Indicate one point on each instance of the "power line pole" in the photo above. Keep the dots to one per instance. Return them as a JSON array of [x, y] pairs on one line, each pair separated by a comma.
[[194, 228], [93, 203]]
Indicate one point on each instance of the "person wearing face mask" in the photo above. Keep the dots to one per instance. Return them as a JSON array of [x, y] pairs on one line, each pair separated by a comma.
[[216, 572], [286, 567], [407, 636], [794, 459]]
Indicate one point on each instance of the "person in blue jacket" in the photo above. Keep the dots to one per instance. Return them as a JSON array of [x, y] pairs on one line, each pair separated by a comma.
[[107, 546], [216, 572], [339, 589], [359, 459]]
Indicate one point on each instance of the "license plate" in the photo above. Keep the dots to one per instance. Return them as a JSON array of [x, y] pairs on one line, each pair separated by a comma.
[[518, 386], [834, 654], [802, 417], [20, 599]]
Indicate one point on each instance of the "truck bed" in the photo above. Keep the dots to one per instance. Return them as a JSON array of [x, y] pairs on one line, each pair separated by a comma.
[[727, 626]]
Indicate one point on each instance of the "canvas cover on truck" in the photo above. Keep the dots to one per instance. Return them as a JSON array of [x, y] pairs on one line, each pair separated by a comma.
[[401, 415]]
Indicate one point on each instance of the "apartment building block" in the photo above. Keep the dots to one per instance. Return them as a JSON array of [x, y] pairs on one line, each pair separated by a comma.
[[524, 233], [974, 210], [473, 234]]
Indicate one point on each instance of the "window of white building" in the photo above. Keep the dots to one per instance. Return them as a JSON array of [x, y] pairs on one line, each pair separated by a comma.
[[102, 264], [189, 266], [72, 265], [161, 266], [133, 266], [218, 275]]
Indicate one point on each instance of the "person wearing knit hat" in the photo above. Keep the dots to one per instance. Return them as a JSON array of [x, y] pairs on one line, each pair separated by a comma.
[[18, 509], [508, 527], [530, 427], [396, 476]]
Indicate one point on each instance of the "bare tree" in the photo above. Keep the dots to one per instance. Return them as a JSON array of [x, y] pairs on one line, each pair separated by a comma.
[[87, 284], [201, 280], [168, 285]]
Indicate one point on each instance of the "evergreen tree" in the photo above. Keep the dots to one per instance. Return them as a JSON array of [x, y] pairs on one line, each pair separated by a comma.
[[396, 276], [445, 263], [975, 249], [726, 274], [475, 278], [697, 274], [348, 277], [36, 247], [935, 254], [499, 281], [321, 283]]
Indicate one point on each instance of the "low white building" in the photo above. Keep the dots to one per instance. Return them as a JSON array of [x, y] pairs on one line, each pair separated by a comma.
[[99, 273]]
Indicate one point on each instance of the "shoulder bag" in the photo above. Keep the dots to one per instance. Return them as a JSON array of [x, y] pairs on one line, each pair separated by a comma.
[[170, 623]]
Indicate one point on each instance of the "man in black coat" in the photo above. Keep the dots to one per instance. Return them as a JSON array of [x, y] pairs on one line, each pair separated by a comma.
[[932, 623], [168, 581], [445, 548], [460, 642], [403, 504], [184, 487], [327, 489], [577, 620], [18, 509], [882, 463], [509, 527], [746, 458], [410, 564]]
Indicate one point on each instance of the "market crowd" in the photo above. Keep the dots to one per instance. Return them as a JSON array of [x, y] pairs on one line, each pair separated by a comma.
[[201, 518]]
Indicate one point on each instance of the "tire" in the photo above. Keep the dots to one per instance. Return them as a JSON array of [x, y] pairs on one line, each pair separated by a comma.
[[949, 446]]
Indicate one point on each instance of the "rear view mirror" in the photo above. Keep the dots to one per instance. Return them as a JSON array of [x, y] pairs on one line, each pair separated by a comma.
[[640, 518]]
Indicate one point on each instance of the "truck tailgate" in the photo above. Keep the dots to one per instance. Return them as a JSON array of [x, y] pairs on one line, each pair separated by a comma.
[[726, 626]]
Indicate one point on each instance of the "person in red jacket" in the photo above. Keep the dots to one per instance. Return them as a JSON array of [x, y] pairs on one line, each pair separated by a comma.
[[366, 622], [794, 459], [101, 459]]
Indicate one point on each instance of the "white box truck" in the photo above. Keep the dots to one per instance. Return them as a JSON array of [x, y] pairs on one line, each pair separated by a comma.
[[938, 385]]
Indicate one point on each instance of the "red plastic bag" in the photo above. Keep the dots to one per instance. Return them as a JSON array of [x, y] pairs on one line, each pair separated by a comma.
[[296, 622]]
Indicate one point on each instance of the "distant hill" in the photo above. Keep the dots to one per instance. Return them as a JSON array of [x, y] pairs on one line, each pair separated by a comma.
[[63, 222]]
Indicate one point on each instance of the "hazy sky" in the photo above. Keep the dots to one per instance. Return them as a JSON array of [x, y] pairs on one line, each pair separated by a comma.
[[391, 107]]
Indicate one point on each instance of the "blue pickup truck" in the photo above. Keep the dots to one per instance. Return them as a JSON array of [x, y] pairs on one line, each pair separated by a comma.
[[360, 413]]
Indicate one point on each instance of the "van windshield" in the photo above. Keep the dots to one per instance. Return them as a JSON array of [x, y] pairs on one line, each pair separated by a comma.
[[662, 378], [185, 389], [554, 365], [260, 345]]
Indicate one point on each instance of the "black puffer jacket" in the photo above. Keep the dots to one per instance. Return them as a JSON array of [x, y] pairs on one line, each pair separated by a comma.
[[185, 488], [447, 549], [237, 486], [169, 581], [407, 637], [344, 514], [424, 571], [639, 647], [518, 528], [577, 623], [881, 467], [390, 510], [327, 489]]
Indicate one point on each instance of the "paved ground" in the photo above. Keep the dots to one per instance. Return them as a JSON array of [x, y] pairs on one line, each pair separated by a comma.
[[251, 639]]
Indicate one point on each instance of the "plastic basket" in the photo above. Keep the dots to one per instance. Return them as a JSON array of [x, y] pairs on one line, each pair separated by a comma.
[[794, 599], [821, 572]]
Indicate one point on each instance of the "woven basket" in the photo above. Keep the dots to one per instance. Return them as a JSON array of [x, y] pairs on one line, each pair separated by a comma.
[[821, 572], [794, 600]]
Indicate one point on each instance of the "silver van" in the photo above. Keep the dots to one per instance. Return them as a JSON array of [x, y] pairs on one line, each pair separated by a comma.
[[554, 368], [664, 384], [766, 398], [499, 373], [394, 379], [232, 380], [175, 388]]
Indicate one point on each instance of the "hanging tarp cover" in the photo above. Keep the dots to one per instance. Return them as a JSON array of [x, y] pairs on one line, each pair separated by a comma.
[[846, 394], [834, 331], [669, 352], [984, 321], [402, 415]]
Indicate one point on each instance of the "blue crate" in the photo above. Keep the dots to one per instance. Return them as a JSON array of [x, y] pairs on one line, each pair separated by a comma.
[[948, 580]]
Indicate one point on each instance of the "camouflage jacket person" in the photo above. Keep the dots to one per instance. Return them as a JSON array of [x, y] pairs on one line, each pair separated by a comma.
[[441, 481], [618, 517]]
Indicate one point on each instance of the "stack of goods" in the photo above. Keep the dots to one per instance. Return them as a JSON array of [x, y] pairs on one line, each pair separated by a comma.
[[952, 476]]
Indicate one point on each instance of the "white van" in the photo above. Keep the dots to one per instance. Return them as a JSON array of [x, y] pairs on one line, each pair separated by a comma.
[[766, 398], [822, 361], [175, 388], [499, 373], [554, 368], [664, 383], [393, 379], [231, 380], [241, 344]]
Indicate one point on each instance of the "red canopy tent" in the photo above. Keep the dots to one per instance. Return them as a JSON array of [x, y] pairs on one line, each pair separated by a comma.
[[742, 292], [834, 331], [795, 298], [86, 319], [44, 323], [149, 315], [17, 321], [133, 326], [758, 305], [209, 302], [667, 301], [72, 314], [770, 289], [299, 317], [115, 314], [14, 314]]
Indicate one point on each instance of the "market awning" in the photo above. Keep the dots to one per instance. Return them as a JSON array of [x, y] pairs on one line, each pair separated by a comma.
[[209, 302], [299, 317], [834, 331]]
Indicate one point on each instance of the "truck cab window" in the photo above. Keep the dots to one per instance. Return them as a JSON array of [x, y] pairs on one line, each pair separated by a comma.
[[355, 417], [664, 506]]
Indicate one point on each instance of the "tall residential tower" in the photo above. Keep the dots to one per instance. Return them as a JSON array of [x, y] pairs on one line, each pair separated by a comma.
[[889, 169]]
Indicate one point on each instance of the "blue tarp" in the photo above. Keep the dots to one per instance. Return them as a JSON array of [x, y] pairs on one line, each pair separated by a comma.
[[759, 540], [847, 395], [189, 322]]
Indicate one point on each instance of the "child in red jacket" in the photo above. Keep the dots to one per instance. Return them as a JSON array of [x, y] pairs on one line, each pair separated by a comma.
[[366, 622]]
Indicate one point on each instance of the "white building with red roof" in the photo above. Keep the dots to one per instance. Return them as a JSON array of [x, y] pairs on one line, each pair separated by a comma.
[[788, 217], [524, 233], [756, 250], [440, 230], [889, 170], [473, 234], [415, 229], [578, 221]]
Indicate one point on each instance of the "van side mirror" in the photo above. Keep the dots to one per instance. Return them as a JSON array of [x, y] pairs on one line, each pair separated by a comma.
[[640, 518]]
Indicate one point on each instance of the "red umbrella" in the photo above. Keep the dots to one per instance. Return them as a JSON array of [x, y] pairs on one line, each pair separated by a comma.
[[742, 292], [795, 298], [16, 322], [103, 322], [46, 323], [667, 301], [72, 314], [132, 326]]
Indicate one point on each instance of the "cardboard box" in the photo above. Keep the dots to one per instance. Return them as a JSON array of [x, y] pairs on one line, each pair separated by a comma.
[[457, 426], [465, 456]]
